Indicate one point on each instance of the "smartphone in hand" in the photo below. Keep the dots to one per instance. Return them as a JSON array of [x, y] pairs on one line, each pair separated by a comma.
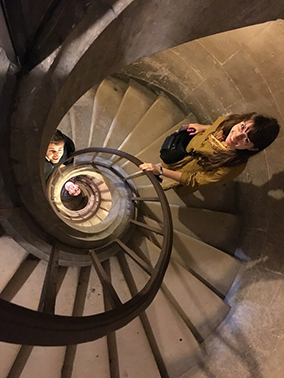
[[191, 130]]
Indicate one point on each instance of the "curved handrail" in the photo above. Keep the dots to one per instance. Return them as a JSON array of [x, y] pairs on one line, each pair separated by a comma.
[[24, 326]]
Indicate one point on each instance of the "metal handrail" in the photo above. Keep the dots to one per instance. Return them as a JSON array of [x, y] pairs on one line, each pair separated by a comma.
[[24, 326]]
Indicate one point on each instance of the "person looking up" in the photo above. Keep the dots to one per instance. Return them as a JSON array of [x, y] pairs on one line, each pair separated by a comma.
[[60, 148], [72, 188]]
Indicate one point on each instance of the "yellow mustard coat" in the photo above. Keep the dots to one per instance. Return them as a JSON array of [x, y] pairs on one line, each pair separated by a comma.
[[193, 176]]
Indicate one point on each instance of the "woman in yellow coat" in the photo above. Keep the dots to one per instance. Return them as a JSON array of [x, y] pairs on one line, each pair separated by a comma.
[[218, 152]]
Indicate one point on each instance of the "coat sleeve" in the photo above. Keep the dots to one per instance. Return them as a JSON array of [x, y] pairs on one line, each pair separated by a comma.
[[195, 180]]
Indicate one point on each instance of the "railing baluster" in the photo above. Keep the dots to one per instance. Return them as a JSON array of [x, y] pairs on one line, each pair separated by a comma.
[[48, 293], [146, 267], [110, 291], [115, 161], [152, 199], [94, 157], [20, 361], [99, 183], [104, 207], [104, 190], [147, 227], [134, 175], [60, 169]]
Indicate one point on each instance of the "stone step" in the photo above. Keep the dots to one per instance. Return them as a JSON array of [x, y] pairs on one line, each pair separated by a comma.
[[214, 267], [32, 240], [161, 116], [135, 103], [218, 197], [94, 355], [177, 346], [151, 153], [201, 307], [11, 257], [106, 104], [53, 356], [219, 229], [76, 123], [146, 190], [8, 353], [24, 289], [130, 335]]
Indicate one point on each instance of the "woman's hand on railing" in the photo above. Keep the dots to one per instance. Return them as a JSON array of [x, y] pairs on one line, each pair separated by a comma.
[[161, 171], [149, 167]]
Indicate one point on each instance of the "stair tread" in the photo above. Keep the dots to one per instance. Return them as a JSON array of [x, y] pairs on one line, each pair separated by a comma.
[[90, 357], [215, 266], [10, 351], [216, 228], [67, 292], [76, 123], [151, 153], [108, 98], [204, 309], [132, 108], [94, 302], [24, 289], [53, 357], [30, 240], [94, 354], [216, 196], [176, 343], [162, 115], [132, 334], [12, 256], [50, 356]]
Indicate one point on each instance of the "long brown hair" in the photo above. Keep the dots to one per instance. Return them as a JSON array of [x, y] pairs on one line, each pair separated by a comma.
[[264, 131]]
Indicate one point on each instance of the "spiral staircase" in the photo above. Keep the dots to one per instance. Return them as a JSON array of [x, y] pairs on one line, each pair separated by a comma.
[[84, 306]]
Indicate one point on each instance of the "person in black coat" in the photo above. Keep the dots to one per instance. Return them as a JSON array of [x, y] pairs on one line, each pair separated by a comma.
[[60, 148]]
